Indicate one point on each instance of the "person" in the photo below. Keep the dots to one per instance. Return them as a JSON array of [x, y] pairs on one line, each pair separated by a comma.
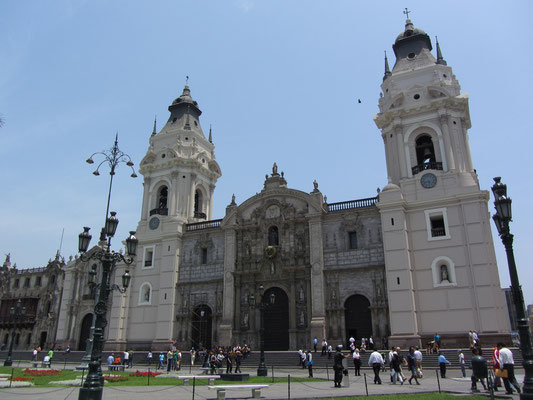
[[442, 365], [507, 363], [436, 339], [476, 338], [330, 350], [396, 370], [130, 359], [390, 358], [117, 360], [496, 365], [418, 358], [238, 360], [471, 339], [411, 364], [324, 347], [371, 343], [229, 362], [50, 356], [161, 361], [126, 358], [338, 367], [110, 359], [149, 356], [315, 343], [461, 357], [193, 356], [47, 361], [356, 362], [303, 358], [169, 360], [477, 359], [34, 354], [376, 362], [309, 362]]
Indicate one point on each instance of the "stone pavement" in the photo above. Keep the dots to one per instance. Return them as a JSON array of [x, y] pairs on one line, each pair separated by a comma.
[[298, 390]]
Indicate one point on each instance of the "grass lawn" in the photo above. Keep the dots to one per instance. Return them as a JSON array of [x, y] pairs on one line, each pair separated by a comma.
[[419, 396], [64, 375]]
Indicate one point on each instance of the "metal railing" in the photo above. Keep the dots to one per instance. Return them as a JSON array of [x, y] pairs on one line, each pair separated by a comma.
[[425, 166], [159, 211]]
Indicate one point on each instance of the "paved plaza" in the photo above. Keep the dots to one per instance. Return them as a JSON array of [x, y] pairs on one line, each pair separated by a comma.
[[320, 388]]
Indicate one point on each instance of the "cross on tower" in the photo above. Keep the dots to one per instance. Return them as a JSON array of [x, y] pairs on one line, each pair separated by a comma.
[[406, 12]]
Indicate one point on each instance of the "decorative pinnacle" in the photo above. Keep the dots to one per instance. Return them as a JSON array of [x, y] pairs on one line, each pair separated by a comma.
[[155, 126], [440, 59], [387, 69], [210, 135]]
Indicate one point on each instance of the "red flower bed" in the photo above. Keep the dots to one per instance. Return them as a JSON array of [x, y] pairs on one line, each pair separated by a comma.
[[139, 373], [20, 379], [115, 378], [41, 372]]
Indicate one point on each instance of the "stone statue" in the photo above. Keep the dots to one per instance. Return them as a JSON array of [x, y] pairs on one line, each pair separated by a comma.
[[233, 199], [275, 169], [147, 294], [301, 293], [245, 319], [302, 318], [444, 273], [315, 184]]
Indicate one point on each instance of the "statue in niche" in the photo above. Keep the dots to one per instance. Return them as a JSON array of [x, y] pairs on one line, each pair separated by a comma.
[[147, 294], [272, 268], [333, 294], [245, 319], [444, 277], [245, 296], [302, 318], [301, 294]]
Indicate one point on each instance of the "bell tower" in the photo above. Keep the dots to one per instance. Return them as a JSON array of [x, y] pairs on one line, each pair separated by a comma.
[[439, 254], [180, 173]]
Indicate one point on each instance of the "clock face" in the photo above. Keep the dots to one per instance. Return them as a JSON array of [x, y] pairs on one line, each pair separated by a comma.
[[154, 223], [428, 180]]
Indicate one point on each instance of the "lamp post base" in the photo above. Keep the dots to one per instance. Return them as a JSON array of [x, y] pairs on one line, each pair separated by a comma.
[[262, 370], [90, 393], [8, 363]]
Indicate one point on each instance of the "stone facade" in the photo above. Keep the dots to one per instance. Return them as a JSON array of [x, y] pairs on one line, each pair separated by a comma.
[[40, 291]]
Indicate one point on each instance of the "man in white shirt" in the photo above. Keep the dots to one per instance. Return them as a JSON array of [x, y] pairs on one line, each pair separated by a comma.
[[126, 359], [418, 358], [376, 362], [507, 363]]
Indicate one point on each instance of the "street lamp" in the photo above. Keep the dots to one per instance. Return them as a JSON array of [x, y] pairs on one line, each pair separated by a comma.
[[263, 305], [503, 216], [15, 313], [93, 386]]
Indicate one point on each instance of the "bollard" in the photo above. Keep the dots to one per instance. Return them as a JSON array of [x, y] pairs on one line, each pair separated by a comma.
[[193, 386], [366, 385], [438, 381], [289, 386]]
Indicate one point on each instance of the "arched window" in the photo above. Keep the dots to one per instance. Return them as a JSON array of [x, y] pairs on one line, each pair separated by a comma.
[[198, 202], [273, 236], [162, 197], [145, 294], [425, 152]]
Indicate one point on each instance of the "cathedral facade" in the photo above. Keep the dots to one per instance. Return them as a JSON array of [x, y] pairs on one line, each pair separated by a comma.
[[416, 259]]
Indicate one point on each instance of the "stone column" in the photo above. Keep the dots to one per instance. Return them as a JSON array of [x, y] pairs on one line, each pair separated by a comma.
[[226, 325], [448, 148], [318, 315]]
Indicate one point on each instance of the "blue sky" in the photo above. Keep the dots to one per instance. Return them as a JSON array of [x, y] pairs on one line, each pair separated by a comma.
[[277, 80]]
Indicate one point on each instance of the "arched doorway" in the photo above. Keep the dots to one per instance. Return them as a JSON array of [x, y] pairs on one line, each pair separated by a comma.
[[277, 320], [201, 327], [357, 317], [85, 331]]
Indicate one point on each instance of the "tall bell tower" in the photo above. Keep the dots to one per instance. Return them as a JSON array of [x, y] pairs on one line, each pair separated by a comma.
[[439, 254], [180, 173]]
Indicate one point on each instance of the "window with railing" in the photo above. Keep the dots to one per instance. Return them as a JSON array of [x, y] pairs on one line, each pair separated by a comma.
[[437, 224]]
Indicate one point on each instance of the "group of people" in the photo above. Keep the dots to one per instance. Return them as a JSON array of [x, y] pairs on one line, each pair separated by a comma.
[[126, 360], [47, 359]]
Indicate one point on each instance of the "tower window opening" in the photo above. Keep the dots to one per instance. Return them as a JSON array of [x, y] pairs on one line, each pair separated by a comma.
[[149, 257], [38, 281], [204, 255], [198, 200], [416, 96], [411, 56], [273, 236], [26, 282], [392, 221], [163, 197], [437, 226], [425, 155], [16, 284]]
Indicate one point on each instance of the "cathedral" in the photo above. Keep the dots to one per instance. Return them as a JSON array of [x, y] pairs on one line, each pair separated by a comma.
[[416, 259]]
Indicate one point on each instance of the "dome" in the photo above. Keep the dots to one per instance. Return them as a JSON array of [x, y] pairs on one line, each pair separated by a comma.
[[409, 31], [185, 97]]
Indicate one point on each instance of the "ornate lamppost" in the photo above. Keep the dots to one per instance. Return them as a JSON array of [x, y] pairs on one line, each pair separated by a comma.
[[15, 313], [93, 386], [503, 216], [263, 305]]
